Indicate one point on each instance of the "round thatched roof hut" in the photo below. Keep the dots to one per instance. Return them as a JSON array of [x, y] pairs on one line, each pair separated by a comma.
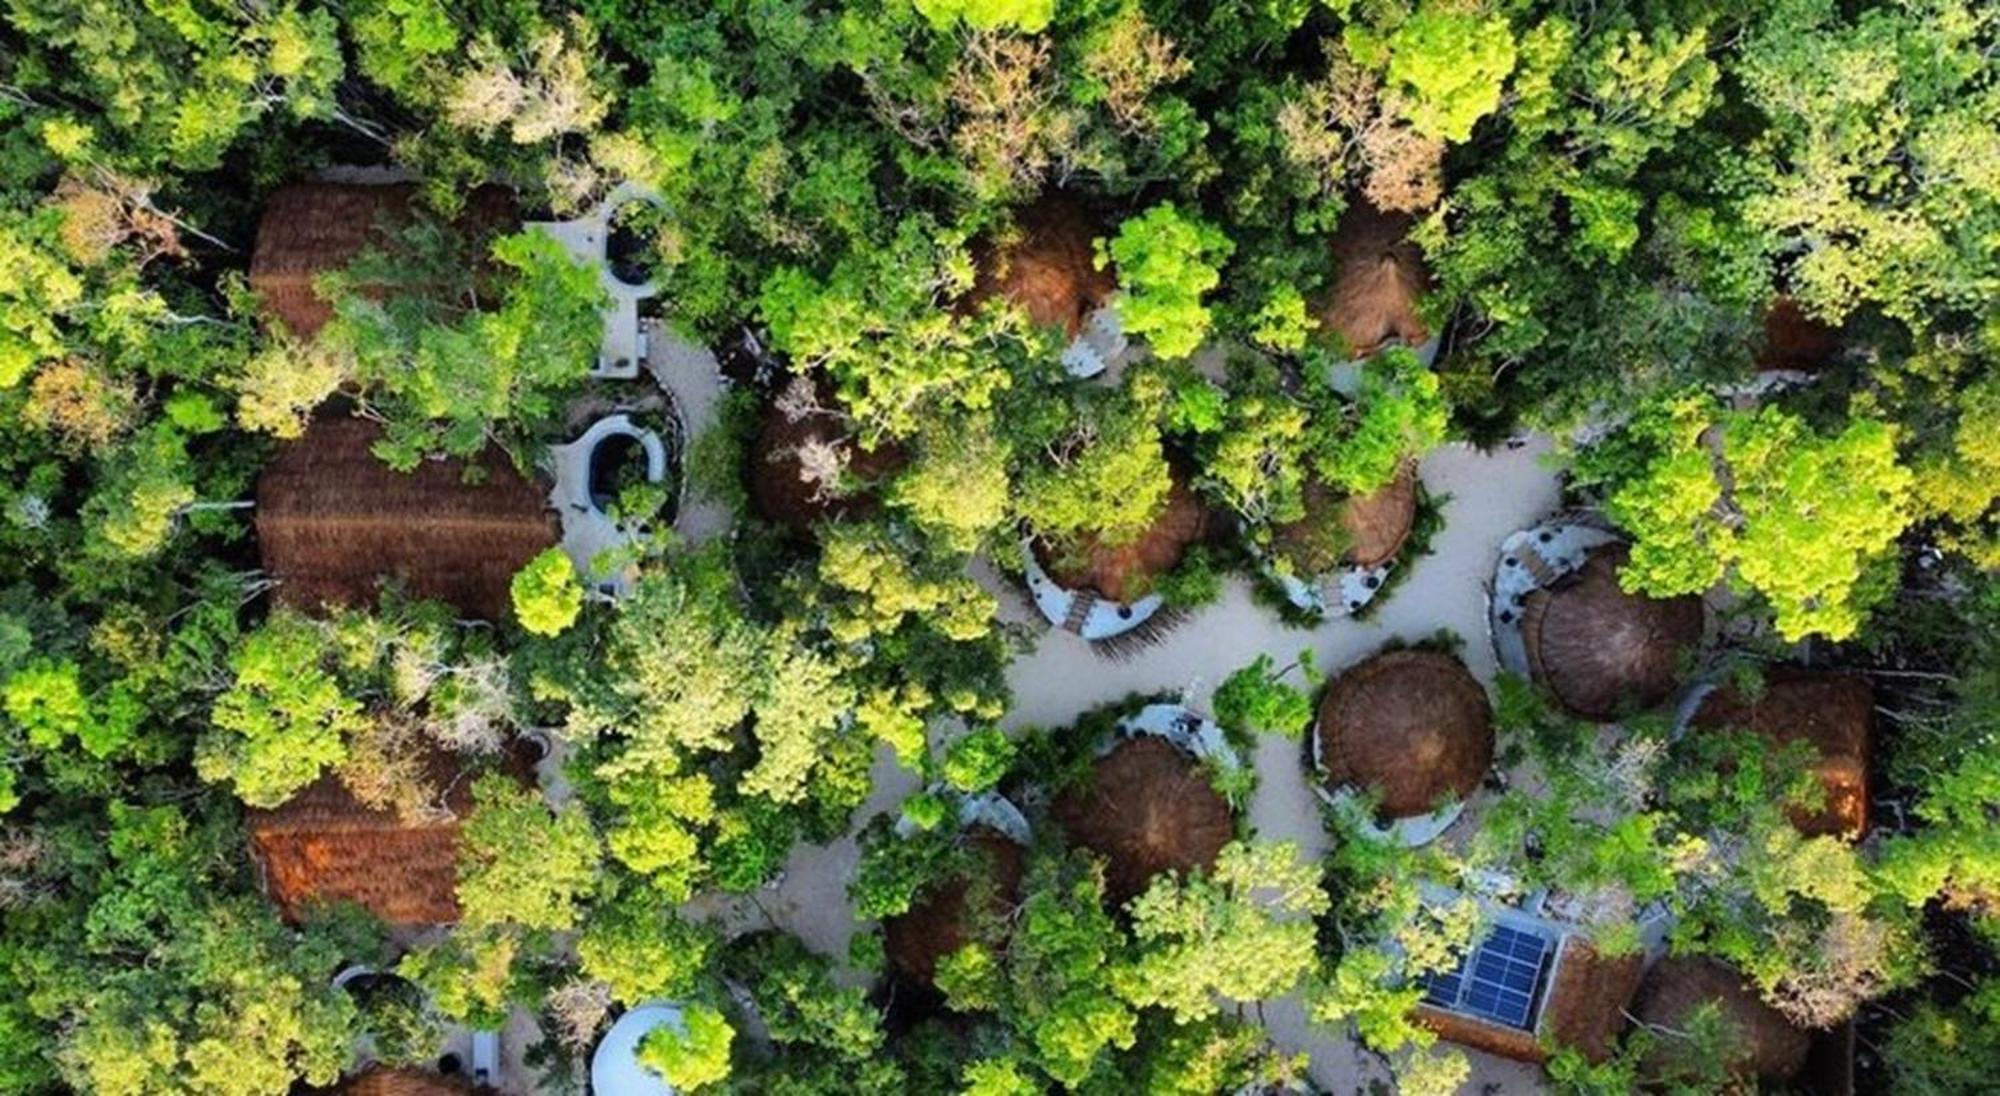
[[1759, 1042], [1147, 808], [939, 923], [1833, 713], [1125, 572], [1379, 277], [1412, 725], [1359, 530], [784, 490], [1046, 264], [1601, 651]]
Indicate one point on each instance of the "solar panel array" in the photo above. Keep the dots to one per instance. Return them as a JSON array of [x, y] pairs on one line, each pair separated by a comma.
[[1497, 981]]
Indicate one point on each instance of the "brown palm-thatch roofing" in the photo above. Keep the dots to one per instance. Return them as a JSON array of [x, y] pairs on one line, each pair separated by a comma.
[[1411, 725], [1601, 651], [1759, 1043], [384, 1081], [1379, 278], [333, 520], [1795, 341], [1369, 529], [939, 923], [1583, 1008], [1147, 808], [779, 490], [1833, 713], [1125, 572], [325, 845], [1046, 264], [309, 229]]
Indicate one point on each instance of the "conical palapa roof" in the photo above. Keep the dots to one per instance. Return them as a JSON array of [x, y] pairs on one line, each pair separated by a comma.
[[1411, 725], [1604, 652], [1147, 808]]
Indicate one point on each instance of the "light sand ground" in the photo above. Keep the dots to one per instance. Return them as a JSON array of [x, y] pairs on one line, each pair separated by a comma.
[[1491, 495]]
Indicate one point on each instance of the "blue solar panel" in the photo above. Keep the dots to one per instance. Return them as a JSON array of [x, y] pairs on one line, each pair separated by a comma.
[[1497, 980]]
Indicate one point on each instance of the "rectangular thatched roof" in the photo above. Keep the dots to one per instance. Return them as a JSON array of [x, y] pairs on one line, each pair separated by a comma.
[[325, 845], [308, 229], [1583, 1007], [384, 1081], [333, 520]]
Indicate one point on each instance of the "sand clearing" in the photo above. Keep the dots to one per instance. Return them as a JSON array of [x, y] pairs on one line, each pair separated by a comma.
[[1491, 495]]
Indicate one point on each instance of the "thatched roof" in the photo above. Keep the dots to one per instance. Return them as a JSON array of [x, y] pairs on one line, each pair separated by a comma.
[[1604, 652], [1047, 264], [1834, 713], [938, 925], [383, 1081], [332, 520], [1372, 528], [308, 229], [1124, 573], [1795, 341], [1583, 1008], [325, 845], [1147, 808], [1761, 1043], [779, 491], [1379, 277], [1412, 725]]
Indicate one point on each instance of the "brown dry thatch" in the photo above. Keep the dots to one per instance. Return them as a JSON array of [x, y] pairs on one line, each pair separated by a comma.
[[308, 229], [332, 521], [1047, 264], [1601, 651], [1834, 713], [1147, 808], [324, 845], [1794, 341], [1412, 725], [1124, 573], [1379, 277], [779, 491], [937, 924], [1760, 1042], [1371, 528], [384, 1081], [1583, 1008]]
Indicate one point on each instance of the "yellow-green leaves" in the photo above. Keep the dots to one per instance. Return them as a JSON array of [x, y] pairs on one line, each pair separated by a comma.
[[1167, 261], [1447, 68], [546, 593]]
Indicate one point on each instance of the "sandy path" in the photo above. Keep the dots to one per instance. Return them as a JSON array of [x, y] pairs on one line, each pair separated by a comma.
[[1492, 494]]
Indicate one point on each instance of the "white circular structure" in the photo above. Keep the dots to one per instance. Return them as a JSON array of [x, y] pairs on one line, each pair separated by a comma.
[[588, 531], [615, 1068]]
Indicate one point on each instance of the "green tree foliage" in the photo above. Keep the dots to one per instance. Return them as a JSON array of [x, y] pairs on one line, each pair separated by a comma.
[[520, 863], [152, 968], [1022, 15], [1883, 182], [693, 1054], [1254, 699], [1108, 478], [1446, 68], [178, 87], [1243, 932], [643, 951], [547, 594], [1167, 261], [1806, 520], [284, 718], [447, 375]]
